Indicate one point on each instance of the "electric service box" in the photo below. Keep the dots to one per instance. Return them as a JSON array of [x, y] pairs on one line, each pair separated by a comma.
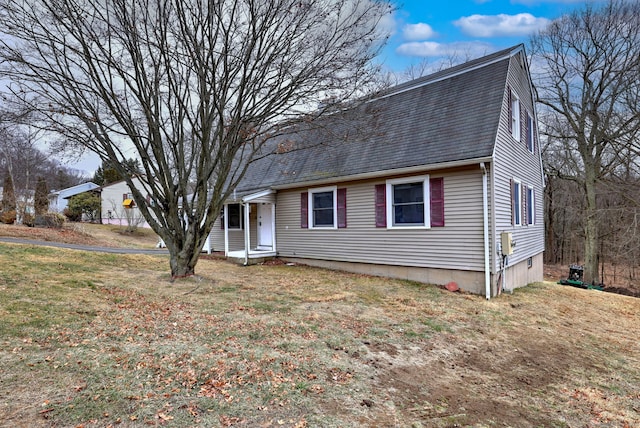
[[506, 243]]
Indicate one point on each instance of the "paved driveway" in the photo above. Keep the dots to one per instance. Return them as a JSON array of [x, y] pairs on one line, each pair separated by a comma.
[[158, 251]]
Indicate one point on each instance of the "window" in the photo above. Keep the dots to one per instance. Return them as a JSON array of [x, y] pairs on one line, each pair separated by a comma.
[[407, 202], [235, 215], [515, 116], [530, 133], [322, 211], [323, 208], [401, 203], [530, 201], [516, 203]]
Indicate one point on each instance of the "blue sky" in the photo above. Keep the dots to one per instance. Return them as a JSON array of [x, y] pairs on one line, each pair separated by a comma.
[[430, 30], [434, 29]]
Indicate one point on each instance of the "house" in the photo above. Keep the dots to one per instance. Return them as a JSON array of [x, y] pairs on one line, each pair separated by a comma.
[[118, 207], [59, 199], [444, 184]]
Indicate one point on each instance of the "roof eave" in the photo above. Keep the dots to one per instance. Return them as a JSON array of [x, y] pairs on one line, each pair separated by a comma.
[[385, 173]]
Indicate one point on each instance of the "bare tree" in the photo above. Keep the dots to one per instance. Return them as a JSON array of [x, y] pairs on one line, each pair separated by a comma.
[[585, 67], [192, 88]]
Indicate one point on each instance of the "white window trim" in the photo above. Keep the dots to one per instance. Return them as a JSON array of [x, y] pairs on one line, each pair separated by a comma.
[[530, 137], [333, 189], [426, 198], [515, 116], [226, 218], [518, 208], [531, 205]]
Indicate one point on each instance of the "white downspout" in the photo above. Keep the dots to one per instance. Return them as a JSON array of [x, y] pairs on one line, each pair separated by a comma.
[[247, 239], [485, 225]]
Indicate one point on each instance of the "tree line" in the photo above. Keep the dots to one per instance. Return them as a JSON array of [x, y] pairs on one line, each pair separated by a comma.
[[585, 67]]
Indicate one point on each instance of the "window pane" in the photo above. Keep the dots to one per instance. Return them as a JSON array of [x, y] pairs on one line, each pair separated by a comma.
[[516, 203], [323, 217], [323, 208], [323, 200], [408, 193], [408, 204], [409, 214], [234, 216]]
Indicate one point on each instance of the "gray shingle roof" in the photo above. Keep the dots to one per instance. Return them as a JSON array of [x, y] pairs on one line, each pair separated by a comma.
[[451, 115]]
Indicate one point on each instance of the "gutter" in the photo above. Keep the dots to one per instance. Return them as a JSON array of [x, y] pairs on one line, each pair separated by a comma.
[[485, 226]]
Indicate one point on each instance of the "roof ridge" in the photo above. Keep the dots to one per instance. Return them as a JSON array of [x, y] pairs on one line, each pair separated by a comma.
[[456, 70]]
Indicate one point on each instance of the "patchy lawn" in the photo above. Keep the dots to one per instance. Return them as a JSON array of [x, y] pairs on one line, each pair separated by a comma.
[[85, 233], [107, 340]]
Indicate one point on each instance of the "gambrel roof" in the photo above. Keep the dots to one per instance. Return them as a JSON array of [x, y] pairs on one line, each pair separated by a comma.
[[446, 117]]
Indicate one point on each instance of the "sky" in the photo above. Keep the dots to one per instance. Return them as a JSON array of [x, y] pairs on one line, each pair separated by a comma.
[[430, 30], [441, 30]]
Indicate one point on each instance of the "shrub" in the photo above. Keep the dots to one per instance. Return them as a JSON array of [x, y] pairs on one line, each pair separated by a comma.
[[8, 217], [28, 220], [72, 215], [54, 220]]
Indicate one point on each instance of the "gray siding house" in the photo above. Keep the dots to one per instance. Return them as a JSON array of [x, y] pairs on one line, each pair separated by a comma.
[[436, 180]]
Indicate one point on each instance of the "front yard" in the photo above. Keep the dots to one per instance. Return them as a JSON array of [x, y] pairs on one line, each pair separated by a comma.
[[107, 340]]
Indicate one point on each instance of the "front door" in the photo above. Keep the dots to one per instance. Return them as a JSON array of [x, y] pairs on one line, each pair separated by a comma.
[[265, 226]]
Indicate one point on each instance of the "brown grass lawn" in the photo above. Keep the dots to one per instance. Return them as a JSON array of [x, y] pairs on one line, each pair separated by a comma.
[[96, 340]]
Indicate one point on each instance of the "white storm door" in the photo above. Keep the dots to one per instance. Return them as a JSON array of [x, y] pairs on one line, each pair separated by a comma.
[[265, 226]]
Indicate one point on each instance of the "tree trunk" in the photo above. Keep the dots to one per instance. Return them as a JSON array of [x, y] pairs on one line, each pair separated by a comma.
[[590, 229], [183, 263]]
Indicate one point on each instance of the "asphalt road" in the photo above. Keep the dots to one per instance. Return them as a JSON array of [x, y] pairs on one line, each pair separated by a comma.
[[158, 251]]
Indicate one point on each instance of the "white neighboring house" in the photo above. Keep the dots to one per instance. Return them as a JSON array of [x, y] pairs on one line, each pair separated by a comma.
[[118, 207], [59, 199]]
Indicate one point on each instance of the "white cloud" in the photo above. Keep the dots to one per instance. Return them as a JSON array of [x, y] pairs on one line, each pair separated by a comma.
[[418, 31], [463, 50], [501, 25]]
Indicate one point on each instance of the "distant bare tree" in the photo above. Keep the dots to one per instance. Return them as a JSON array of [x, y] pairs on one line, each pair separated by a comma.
[[192, 88], [585, 67]]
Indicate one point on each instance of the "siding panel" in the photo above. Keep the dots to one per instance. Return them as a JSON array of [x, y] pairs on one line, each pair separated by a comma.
[[458, 245], [513, 160]]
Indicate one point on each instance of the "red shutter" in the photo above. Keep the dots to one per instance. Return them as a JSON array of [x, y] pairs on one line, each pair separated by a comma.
[[304, 210], [342, 208], [535, 135], [436, 190], [509, 107], [381, 205], [523, 113], [527, 140]]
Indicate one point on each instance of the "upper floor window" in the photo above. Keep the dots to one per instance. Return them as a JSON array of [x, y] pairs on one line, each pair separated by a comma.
[[515, 116]]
